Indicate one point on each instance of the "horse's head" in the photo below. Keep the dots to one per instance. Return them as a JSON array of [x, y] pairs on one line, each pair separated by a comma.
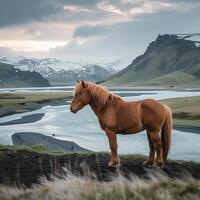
[[81, 97]]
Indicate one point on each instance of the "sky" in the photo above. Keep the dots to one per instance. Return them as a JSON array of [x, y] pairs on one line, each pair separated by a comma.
[[93, 30]]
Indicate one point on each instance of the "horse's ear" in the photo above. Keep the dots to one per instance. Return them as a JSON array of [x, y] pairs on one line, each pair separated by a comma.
[[77, 81], [83, 83]]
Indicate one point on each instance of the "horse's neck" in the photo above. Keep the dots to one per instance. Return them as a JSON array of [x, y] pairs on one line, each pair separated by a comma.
[[96, 107]]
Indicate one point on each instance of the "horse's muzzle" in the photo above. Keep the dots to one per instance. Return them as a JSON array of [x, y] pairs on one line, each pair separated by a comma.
[[72, 110]]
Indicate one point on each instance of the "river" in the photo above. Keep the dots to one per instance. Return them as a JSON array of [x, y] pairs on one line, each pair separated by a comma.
[[83, 127]]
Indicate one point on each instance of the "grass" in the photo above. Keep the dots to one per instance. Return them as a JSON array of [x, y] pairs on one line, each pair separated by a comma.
[[186, 110], [8, 99], [176, 79], [21, 102], [40, 148], [73, 185], [186, 122], [82, 188]]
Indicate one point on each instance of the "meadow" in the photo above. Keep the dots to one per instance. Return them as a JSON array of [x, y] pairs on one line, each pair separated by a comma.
[[186, 110], [11, 103]]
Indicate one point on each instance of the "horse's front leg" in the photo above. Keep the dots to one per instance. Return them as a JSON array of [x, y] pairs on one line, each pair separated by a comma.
[[115, 160]]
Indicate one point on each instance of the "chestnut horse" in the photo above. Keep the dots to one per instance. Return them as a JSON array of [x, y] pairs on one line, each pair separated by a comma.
[[119, 116]]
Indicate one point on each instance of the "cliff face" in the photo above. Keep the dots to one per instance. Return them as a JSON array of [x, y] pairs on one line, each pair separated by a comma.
[[52, 144], [11, 77]]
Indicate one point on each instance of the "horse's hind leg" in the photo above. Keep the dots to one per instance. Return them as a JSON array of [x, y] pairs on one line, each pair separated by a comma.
[[151, 158], [155, 138]]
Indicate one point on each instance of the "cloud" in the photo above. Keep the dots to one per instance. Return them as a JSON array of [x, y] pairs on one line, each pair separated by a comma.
[[128, 38], [90, 31], [95, 28], [23, 11], [5, 51], [19, 12], [85, 3]]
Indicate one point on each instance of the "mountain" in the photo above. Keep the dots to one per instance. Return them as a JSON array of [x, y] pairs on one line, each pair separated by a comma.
[[59, 72], [170, 60], [11, 77]]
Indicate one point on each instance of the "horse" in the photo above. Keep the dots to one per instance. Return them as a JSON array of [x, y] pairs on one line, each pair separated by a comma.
[[117, 116]]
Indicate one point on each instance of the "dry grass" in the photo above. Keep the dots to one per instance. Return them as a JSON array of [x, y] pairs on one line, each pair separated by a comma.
[[72, 187]]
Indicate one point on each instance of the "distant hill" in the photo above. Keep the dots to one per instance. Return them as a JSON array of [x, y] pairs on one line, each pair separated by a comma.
[[59, 72], [11, 77], [170, 60]]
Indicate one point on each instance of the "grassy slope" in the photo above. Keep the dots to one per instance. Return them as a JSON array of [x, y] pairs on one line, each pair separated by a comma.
[[167, 61], [176, 79], [21, 102], [77, 188], [83, 187], [186, 110]]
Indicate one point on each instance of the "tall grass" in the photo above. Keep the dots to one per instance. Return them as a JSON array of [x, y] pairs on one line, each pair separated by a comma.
[[71, 187]]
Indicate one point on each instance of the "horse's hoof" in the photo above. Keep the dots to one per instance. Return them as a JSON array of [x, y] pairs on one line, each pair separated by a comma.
[[159, 164], [114, 164], [147, 163]]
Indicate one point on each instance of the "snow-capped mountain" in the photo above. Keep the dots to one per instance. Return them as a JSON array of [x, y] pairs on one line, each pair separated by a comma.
[[195, 37], [62, 72]]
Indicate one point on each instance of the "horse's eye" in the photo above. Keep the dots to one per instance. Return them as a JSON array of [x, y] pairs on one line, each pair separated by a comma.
[[79, 93]]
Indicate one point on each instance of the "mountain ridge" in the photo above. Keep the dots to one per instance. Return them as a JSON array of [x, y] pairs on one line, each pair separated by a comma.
[[11, 77], [167, 54], [59, 72]]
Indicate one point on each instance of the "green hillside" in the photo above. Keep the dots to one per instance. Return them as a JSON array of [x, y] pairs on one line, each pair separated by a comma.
[[168, 61], [11, 77]]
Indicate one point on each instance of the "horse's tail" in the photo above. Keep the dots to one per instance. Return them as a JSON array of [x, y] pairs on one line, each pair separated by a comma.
[[166, 133]]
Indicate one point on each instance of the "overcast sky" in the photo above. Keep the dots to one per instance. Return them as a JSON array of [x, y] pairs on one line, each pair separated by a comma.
[[91, 29]]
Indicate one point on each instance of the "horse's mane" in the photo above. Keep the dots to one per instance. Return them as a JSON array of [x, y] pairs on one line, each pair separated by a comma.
[[102, 95]]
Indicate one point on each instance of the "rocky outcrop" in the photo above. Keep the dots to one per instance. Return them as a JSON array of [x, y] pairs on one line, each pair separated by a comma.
[[52, 144]]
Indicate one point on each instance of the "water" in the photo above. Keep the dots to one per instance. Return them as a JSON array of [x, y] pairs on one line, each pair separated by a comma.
[[83, 128]]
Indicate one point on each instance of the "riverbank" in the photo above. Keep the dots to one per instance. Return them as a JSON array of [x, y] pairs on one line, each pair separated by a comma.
[[13, 103], [186, 113]]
